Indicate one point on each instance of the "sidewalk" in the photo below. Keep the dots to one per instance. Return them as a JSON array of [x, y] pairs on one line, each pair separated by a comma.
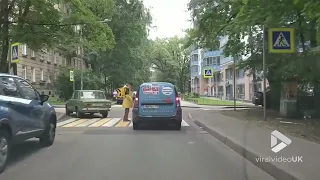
[[189, 104], [252, 142]]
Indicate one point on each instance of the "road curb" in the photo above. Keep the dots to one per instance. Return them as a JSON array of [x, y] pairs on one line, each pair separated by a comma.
[[272, 169], [191, 106]]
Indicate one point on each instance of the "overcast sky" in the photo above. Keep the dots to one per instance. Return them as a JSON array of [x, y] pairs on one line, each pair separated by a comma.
[[169, 16]]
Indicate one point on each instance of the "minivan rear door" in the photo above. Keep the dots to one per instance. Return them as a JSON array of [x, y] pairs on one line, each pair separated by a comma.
[[157, 99]]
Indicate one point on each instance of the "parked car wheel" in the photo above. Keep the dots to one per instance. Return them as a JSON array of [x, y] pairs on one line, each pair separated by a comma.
[[4, 149], [105, 114], [78, 113], [49, 133], [68, 112]]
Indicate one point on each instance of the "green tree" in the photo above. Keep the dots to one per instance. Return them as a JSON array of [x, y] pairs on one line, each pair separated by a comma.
[[171, 61], [40, 24], [64, 86], [128, 60]]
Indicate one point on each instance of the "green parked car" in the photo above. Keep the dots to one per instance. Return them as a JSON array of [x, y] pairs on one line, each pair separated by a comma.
[[88, 102]]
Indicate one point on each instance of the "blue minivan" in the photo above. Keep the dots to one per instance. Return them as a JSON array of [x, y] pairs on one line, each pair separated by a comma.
[[157, 102]]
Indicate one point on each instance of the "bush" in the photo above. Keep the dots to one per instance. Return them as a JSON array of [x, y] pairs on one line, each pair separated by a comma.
[[195, 95]]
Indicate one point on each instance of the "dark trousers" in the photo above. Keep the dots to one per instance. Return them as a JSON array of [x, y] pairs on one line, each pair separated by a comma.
[[126, 114]]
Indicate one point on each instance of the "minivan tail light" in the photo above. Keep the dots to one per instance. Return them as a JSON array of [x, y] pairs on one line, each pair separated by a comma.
[[136, 102], [178, 101]]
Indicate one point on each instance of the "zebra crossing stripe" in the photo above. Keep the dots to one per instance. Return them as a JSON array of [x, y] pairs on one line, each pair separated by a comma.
[[123, 124], [100, 123], [75, 123], [184, 123], [87, 123], [66, 122], [112, 122]]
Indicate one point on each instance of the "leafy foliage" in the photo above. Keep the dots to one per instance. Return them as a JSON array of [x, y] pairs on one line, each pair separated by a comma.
[[64, 86], [171, 61]]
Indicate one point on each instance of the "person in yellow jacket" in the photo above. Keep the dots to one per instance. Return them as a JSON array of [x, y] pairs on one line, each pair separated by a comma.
[[127, 102]]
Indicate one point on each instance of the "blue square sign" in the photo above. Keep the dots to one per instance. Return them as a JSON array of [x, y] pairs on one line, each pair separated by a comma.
[[281, 40], [15, 53], [208, 72]]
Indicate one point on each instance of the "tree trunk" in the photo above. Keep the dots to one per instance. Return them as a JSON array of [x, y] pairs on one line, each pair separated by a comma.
[[5, 36]]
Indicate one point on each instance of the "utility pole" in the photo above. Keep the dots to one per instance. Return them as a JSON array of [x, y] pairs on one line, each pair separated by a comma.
[[81, 58], [9, 57], [264, 75], [234, 83]]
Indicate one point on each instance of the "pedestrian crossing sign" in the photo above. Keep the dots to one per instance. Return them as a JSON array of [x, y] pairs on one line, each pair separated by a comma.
[[15, 52], [281, 40], [208, 73]]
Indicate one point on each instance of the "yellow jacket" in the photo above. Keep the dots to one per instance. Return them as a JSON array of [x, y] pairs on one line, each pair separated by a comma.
[[127, 100]]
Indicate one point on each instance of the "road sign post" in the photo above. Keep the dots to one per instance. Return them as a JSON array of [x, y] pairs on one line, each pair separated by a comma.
[[13, 55], [72, 79], [280, 40], [207, 73]]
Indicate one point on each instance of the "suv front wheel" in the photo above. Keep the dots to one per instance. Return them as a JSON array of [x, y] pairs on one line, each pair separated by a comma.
[[49, 134], [4, 148]]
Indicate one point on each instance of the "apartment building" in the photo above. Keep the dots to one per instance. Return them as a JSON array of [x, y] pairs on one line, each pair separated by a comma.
[[195, 72], [221, 84], [41, 68]]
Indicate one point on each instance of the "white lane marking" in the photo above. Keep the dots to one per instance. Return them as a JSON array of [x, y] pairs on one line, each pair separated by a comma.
[[184, 123], [67, 122], [89, 122], [112, 122], [131, 124]]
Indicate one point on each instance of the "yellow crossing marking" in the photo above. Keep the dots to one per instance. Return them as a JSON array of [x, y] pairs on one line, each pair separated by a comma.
[[89, 122], [75, 123], [100, 122], [123, 123]]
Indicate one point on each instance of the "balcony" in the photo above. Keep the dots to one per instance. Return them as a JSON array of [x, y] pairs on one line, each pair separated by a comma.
[[214, 67], [195, 63], [194, 73], [211, 54], [225, 60]]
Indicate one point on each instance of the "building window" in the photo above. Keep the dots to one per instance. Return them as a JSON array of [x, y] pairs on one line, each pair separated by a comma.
[[49, 56], [55, 76], [24, 72], [23, 49], [33, 71], [42, 75], [54, 58]]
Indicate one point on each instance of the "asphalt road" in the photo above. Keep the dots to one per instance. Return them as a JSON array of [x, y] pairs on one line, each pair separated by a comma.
[[110, 153]]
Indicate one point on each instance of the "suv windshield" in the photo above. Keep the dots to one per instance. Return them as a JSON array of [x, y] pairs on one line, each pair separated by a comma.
[[92, 95]]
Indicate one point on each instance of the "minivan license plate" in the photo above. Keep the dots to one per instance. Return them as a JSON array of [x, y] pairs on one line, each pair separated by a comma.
[[151, 106]]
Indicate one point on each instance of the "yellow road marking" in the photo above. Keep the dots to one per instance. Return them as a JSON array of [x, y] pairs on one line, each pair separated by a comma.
[[123, 124], [75, 123], [100, 122]]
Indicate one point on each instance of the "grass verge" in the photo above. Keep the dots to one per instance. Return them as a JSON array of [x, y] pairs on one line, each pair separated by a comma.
[[212, 102], [55, 101]]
